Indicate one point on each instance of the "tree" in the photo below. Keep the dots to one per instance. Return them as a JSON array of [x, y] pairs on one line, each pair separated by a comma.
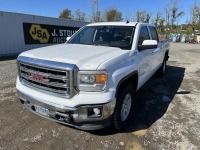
[[159, 22], [195, 17], [175, 13], [113, 14], [189, 30], [148, 17], [66, 14], [129, 16], [96, 14], [140, 16], [79, 16], [161, 26], [158, 18], [143, 16], [167, 13]]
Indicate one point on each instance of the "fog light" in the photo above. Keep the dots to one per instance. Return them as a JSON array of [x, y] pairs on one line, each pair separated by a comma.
[[96, 111]]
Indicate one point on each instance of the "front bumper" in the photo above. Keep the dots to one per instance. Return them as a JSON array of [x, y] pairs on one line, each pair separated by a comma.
[[77, 117]]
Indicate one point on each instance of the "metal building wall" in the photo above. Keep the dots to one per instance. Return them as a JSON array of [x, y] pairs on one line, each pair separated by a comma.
[[12, 34]]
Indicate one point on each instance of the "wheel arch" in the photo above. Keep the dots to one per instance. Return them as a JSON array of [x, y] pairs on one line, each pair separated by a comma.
[[130, 78]]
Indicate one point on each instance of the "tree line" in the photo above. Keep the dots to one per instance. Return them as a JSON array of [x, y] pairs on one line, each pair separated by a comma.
[[166, 21]]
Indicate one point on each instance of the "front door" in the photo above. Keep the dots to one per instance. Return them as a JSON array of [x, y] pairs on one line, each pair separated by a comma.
[[146, 60]]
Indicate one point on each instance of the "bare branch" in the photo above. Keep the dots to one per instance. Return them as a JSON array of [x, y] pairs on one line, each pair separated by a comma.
[[96, 14]]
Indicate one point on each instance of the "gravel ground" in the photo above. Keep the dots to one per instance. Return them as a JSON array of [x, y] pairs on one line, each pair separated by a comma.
[[168, 114]]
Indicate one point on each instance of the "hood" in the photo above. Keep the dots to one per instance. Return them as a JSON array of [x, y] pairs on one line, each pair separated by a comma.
[[86, 57]]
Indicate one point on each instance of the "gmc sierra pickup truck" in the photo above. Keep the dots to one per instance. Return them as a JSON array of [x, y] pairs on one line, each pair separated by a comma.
[[89, 82]]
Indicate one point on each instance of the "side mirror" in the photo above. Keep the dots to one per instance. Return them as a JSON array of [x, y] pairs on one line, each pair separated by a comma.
[[148, 44], [68, 38]]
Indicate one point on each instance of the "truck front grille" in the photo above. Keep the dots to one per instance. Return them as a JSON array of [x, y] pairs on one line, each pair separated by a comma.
[[46, 79]]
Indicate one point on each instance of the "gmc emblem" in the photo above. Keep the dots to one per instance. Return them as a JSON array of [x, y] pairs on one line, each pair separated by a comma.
[[38, 77]]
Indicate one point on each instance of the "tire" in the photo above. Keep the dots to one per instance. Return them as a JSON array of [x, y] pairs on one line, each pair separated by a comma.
[[162, 69], [124, 107]]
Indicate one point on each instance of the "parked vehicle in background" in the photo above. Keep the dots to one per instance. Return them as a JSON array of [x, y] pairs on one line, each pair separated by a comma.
[[183, 39], [174, 38], [190, 39], [178, 38], [90, 81], [197, 38], [169, 37]]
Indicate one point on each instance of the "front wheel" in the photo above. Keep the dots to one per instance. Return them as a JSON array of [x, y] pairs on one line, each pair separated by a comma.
[[123, 108]]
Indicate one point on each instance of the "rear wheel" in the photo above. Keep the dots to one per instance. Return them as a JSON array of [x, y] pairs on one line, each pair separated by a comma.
[[123, 108]]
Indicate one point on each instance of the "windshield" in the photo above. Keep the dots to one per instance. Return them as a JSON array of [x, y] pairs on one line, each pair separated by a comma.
[[113, 36]]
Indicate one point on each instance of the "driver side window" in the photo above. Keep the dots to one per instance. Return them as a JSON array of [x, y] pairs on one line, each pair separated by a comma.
[[144, 35]]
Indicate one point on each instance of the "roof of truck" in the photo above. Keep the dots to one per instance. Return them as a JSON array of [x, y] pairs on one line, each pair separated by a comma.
[[115, 24]]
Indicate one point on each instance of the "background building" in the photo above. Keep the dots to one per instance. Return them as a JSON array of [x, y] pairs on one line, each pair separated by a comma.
[[21, 32]]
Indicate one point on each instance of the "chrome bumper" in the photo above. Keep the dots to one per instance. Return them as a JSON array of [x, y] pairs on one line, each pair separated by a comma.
[[77, 117]]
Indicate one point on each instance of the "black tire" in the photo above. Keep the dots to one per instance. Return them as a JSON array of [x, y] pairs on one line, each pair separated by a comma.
[[162, 69], [117, 122]]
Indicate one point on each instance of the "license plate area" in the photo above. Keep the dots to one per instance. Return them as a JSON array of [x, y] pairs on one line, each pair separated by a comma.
[[41, 110]]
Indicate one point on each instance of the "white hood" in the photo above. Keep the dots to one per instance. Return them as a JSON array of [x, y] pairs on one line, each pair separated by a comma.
[[86, 57]]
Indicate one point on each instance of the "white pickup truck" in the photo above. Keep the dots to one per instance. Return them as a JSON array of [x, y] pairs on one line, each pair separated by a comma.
[[89, 82]]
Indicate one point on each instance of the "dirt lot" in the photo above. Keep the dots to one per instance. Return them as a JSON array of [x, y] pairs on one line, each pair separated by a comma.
[[168, 114]]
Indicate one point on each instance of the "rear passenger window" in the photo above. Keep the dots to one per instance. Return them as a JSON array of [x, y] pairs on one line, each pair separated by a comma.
[[144, 35], [154, 33]]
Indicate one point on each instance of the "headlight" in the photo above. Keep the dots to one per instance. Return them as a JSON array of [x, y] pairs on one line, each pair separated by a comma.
[[92, 81], [87, 78]]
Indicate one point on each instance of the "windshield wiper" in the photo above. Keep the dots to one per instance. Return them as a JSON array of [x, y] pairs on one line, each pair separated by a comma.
[[101, 44], [96, 44]]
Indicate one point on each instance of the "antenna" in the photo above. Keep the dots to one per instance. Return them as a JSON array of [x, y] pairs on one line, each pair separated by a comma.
[[127, 22]]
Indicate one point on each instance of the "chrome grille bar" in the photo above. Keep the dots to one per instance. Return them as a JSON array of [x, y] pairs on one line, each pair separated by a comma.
[[45, 74], [51, 80], [56, 84], [59, 76], [44, 88]]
